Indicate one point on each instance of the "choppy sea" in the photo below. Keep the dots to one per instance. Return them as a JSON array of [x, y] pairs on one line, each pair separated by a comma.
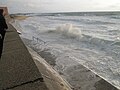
[[91, 39]]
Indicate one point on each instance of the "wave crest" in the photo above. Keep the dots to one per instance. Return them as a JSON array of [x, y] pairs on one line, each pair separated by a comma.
[[69, 30]]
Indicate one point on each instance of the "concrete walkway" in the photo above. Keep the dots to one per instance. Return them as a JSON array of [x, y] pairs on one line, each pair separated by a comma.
[[17, 68]]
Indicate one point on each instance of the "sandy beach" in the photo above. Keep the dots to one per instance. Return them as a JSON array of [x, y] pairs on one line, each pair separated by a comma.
[[19, 17]]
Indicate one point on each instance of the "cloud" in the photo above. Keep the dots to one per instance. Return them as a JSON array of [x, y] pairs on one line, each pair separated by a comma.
[[16, 6]]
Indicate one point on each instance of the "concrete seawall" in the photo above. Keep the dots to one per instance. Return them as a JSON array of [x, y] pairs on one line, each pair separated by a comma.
[[17, 68]]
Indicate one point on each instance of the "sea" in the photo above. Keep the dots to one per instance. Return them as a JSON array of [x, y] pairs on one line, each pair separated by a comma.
[[67, 39]]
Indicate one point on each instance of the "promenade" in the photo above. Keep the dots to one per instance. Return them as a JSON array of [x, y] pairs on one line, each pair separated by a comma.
[[17, 68]]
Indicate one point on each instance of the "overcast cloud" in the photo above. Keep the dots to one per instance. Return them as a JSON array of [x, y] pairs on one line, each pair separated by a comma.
[[38, 6]]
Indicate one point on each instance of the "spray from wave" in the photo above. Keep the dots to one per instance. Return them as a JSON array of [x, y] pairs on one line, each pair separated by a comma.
[[69, 30]]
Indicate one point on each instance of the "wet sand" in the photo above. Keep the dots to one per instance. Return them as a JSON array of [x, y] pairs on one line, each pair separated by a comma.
[[19, 17]]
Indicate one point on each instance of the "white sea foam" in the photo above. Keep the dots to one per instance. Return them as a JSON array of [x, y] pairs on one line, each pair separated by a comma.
[[69, 30]]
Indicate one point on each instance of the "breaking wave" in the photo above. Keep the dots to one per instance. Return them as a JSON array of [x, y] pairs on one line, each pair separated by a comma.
[[69, 30]]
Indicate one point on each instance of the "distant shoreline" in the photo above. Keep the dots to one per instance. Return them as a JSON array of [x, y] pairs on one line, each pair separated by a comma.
[[19, 17], [67, 12]]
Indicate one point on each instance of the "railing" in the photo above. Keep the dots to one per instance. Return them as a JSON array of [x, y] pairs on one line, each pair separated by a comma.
[[38, 43]]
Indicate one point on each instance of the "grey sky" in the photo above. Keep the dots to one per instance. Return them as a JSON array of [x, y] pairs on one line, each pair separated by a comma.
[[16, 6]]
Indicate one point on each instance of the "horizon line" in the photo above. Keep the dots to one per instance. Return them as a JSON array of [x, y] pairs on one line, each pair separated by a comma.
[[67, 12]]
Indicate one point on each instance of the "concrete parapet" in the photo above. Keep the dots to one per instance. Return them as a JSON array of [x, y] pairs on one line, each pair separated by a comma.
[[17, 68]]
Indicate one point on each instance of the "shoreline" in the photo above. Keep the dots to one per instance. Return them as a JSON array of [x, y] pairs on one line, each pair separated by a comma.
[[19, 17]]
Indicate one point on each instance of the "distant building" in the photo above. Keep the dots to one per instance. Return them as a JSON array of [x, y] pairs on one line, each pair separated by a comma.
[[5, 10]]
